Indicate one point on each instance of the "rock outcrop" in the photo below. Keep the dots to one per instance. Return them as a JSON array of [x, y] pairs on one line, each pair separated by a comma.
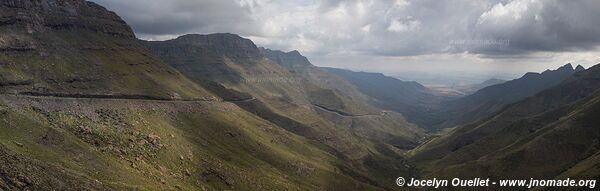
[[290, 59], [44, 15], [78, 47], [215, 46]]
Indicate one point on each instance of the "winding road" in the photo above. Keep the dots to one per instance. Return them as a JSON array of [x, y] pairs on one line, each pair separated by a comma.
[[344, 114], [150, 98]]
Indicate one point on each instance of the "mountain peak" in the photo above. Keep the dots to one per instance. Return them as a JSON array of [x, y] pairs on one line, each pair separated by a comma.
[[231, 45], [566, 67], [214, 35], [532, 74], [295, 52], [216, 38], [579, 68], [290, 53], [287, 59]]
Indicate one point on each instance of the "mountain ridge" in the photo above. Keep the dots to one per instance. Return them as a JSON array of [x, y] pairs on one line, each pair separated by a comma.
[[523, 133], [297, 96], [488, 100], [410, 98], [85, 104]]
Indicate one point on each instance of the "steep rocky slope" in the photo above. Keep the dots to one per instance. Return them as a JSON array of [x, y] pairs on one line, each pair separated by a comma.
[[78, 47], [550, 135]]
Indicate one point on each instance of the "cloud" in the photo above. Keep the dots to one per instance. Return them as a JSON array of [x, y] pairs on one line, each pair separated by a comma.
[[404, 26], [535, 25], [161, 18], [378, 27], [322, 29]]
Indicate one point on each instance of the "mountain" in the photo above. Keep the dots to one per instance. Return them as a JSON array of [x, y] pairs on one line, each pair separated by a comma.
[[491, 99], [411, 99], [72, 47], [285, 89], [300, 66], [432, 110], [85, 105], [552, 134]]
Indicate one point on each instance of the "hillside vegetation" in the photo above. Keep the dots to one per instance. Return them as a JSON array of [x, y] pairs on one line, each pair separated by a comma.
[[549, 135]]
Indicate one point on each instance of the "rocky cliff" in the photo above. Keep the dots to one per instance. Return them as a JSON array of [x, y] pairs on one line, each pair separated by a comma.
[[46, 15], [291, 59], [78, 47]]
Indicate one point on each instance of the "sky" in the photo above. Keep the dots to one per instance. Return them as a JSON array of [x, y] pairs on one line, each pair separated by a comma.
[[487, 38]]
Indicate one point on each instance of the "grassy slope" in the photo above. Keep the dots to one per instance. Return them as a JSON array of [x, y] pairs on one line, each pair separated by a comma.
[[413, 100], [148, 145], [65, 143], [545, 151], [356, 139], [490, 100], [543, 136], [285, 98], [311, 85]]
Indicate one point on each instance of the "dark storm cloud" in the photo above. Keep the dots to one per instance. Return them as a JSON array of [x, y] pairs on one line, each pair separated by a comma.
[[378, 27], [551, 25], [174, 17]]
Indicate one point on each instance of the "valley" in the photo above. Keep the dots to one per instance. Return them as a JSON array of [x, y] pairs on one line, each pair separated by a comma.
[[85, 104]]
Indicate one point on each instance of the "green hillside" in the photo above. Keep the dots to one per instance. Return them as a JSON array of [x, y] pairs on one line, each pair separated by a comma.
[[84, 105], [550, 135], [56, 143], [280, 90]]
